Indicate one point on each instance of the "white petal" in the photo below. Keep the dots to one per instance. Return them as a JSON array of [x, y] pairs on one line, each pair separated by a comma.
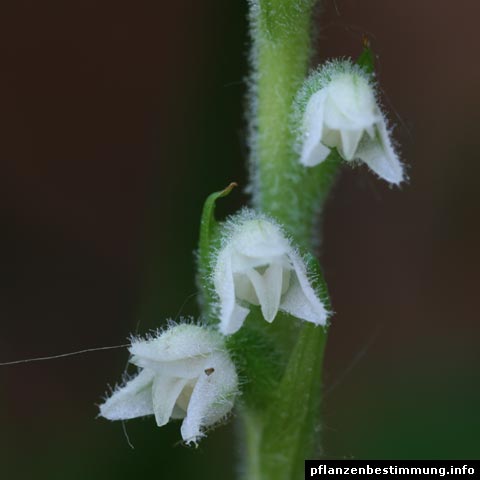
[[234, 321], [300, 300], [244, 289], [232, 315], [184, 398], [379, 155], [165, 392], [268, 288], [331, 138], [212, 397], [132, 400], [313, 151], [177, 343], [350, 141]]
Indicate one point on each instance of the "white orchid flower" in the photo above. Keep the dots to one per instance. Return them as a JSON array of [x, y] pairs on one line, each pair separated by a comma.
[[185, 373], [340, 110], [257, 265]]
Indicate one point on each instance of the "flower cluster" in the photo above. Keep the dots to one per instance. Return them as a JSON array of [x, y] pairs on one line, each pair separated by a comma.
[[186, 372]]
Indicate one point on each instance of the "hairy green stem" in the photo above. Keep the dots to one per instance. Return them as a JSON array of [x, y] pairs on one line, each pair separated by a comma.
[[281, 36], [280, 436]]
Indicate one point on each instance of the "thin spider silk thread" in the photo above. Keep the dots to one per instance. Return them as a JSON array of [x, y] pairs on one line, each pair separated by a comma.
[[63, 355]]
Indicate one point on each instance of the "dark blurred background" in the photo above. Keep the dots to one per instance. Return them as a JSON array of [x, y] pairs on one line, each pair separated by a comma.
[[117, 120]]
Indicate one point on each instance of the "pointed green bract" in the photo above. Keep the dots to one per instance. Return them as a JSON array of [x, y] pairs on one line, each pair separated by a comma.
[[293, 419], [292, 422], [208, 238]]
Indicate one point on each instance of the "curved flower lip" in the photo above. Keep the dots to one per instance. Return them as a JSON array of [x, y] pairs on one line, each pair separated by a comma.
[[185, 373], [344, 114], [258, 265]]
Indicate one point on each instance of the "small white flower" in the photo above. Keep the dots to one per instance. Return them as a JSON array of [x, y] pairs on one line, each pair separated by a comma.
[[185, 373], [342, 112], [258, 265]]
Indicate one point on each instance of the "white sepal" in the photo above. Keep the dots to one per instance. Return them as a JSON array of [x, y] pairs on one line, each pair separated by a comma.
[[185, 373], [257, 265], [132, 400]]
